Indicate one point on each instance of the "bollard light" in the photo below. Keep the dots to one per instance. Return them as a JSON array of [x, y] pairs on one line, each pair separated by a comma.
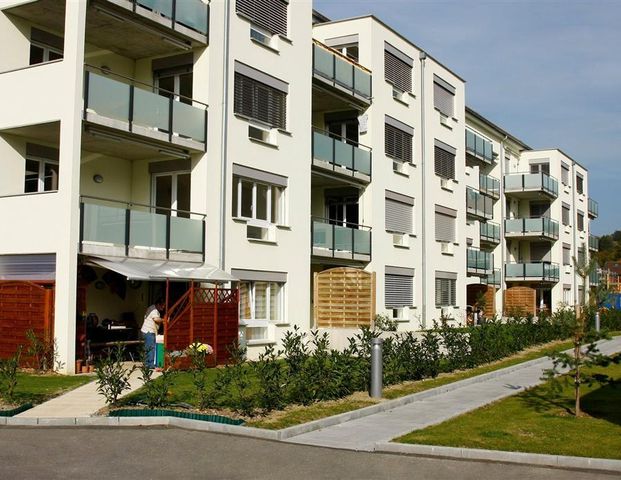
[[376, 368]]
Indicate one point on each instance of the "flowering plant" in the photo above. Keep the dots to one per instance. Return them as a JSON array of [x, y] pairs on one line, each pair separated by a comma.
[[203, 348]]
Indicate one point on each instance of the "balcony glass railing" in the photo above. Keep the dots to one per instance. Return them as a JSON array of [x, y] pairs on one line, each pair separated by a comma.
[[140, 107], [129, 226], [333, 239], [541, 271], [478, 261], [593, 208], [489, 185], [527, 227], [494, 278], [479, 205], [531, 182], [490, 232], [478, 147], [594, 277], [341, 70], [193, 14], [593, 243], [336, 151]]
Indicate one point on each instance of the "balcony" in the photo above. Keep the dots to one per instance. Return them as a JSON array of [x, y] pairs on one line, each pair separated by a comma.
[[593, 243], [478, 205], [118, 229], [494, 278], [540, 228], [341, 156], [341, 74], [350, 242], [122, 104], [489, 232], [593, 208], [479, 262], [479, 149], [532, 272], [594, 277], [531, 185], [489, 185]]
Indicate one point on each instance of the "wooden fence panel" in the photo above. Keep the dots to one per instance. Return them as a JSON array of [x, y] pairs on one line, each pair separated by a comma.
[[521, 299], [343, 298]]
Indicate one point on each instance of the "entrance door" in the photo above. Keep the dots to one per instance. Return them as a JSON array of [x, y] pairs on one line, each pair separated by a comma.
[[171, 193]]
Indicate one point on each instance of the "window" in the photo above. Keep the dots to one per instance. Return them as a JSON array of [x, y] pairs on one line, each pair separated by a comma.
[[260, 303], [350, 50], [397, 68], [581, 255], [567, 295], [398, 141], [258, 100], [268, 14], [443, 96], [398, 287], [445, 224], [258, 201], [44, 47], [566, 254], [579, 184], [445, 291], [565, 214], [42, 169], [444, 160], [564, 174], [539, 209], [580, 221], [175, 83], [540, 168], [171, 191], [398, 212]]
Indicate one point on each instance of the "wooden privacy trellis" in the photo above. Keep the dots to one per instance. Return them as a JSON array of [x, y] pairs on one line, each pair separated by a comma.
[[24, 306], [204, 315], [522, 299], [343, 297]]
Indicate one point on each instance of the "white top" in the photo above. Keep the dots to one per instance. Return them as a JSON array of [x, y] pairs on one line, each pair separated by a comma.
[[150, 325]]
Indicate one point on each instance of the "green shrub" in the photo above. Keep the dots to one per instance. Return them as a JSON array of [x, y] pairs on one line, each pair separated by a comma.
[[112, 376], [8, 375], [270, 377]]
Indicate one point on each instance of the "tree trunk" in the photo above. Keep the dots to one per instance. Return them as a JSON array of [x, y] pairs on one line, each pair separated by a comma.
[[577, 389]]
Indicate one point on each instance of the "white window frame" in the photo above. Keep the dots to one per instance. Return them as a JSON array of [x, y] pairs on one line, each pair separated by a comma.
[[174, 184], [41, 174], [253, 218], [47, 49], [254, 322]]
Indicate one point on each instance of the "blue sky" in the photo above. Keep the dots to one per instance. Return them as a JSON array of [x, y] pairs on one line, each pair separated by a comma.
[[547, 71]]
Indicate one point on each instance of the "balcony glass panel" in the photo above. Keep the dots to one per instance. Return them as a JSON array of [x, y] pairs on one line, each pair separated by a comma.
[[108, 98], [322, 147], [147, 229], [489, 185], [533, 269], [164, 7], [322, 235], [104, 224], [490, 231], [186, 234], [362, 82], [343, 154], [338, 152], [479, 147], [344, 73], [362, 160], [192, 14], [189, 121], [151, 109], [323, 62], [513, 270], [343, 238], [362, 242], [513, 225], [478, 259]]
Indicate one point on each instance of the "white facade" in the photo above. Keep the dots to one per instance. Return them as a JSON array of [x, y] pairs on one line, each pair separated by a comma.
[[249, 171]]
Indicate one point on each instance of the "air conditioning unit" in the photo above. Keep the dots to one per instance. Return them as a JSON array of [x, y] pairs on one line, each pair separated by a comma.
[[446, 183], [399, 166], [399, 239], [446, 247], [444, 120]]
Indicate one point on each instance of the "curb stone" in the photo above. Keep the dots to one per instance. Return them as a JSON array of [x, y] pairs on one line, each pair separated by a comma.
[[559, 461]]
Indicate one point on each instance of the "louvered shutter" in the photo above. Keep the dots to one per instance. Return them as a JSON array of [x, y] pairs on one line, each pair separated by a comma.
[[564, 174], [445, 228], [397, 72], [443, 99], [268, 14], [565, 214], [444, 163], [398, 216], [580, 221], [259, 101], [566, 254], [398, 290], [445, 292], [398, 144], [579, 183]]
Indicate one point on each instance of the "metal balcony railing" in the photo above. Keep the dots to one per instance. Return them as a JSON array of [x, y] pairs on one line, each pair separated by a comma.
[[341, 70], [531, 182], [193, 14], [479, 205], [489, 185], [533, 271], [334, 239], [593, 208], [593, 243], [478, 147], [494, 278], [479, 261], [135, 226], [489, 232], [142, 108], [350, 156], [532, 227]]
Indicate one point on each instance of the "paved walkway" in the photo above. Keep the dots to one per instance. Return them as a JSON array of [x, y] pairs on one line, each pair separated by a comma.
[[83, 401], [363, 433]]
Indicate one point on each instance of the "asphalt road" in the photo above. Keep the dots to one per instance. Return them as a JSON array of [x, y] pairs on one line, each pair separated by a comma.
[[153, 453]]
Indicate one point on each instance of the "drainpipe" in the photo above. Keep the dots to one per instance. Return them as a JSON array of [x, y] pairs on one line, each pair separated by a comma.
[[422, 56], [224, 138], [573, 230], [503, 245]]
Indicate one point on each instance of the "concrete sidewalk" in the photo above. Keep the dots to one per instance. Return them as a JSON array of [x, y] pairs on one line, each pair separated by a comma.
[[364, 433], [84, 401]]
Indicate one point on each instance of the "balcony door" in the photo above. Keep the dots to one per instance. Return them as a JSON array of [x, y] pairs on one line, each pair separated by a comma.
[[343, 211], [175, 83], [343, 127], [171, 193]]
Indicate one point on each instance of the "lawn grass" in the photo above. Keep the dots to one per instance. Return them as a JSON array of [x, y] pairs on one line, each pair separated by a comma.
[[537, 421], [35, 389]]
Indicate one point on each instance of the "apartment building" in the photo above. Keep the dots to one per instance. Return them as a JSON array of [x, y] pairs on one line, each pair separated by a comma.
[[318, 172]]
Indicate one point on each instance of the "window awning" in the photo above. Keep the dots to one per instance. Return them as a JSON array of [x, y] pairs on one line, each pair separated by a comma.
[[155, 270]]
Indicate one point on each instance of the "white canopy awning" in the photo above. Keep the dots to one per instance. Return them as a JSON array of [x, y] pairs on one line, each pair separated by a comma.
[[157, 270]]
